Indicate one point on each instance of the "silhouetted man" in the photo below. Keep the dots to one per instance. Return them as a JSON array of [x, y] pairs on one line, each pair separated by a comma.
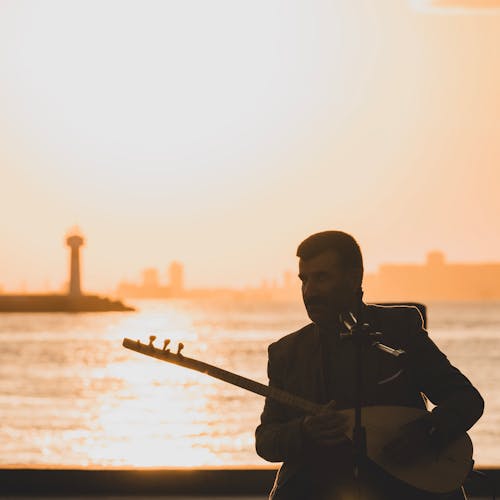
[[315, 363]]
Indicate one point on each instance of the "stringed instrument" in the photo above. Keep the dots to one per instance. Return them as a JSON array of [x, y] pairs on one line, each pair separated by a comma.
[[434, 472]]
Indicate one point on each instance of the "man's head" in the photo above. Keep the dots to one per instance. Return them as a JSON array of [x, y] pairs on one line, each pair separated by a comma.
[[331, 271]]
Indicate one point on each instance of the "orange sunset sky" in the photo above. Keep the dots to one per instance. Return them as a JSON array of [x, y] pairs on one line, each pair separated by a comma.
[[221, 133]]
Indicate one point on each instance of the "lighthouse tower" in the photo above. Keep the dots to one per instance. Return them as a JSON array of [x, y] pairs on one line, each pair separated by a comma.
[[74, 240]]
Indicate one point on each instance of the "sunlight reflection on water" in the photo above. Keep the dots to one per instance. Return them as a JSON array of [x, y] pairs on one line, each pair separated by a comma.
[[71, 395]]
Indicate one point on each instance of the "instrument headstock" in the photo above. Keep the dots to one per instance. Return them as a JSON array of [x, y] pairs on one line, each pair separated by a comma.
[[149, 349]]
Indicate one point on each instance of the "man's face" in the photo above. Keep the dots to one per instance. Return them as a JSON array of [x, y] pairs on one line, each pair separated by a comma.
[[327, 288]]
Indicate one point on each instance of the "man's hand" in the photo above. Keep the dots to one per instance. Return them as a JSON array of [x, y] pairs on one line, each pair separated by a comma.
[[328, 428]]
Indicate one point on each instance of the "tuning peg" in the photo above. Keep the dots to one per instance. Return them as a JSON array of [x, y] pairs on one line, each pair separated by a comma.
[[152, 338], [179, 349], [165, 344]]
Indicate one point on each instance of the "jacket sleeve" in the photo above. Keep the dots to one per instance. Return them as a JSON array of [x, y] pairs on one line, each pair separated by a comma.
[[458, 403], [278, 438]]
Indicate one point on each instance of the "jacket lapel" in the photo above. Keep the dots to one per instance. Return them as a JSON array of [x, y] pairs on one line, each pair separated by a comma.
[[318, 369]]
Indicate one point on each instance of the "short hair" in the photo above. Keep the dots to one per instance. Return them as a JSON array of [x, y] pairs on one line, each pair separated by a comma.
[[343, 244]]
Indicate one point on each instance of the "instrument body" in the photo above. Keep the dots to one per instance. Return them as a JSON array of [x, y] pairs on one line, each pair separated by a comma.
[[439, 472]]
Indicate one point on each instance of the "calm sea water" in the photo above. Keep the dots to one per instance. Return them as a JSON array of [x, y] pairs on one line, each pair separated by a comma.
[[71, 395]]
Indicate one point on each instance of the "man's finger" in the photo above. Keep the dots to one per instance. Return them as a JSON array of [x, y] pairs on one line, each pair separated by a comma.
[[333, 417], [341, 426], [332, 442], [331, 424], [332, 432]]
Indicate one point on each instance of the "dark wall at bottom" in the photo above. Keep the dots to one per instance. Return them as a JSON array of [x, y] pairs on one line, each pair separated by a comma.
[[234, 482]]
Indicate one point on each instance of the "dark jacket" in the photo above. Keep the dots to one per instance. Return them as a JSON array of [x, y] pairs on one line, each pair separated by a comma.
[[296, 364]]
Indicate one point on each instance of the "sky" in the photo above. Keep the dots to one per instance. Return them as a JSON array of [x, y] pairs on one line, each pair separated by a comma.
[[223, 133]]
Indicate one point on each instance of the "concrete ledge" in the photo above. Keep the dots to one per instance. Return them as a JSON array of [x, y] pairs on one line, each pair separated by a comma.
[[169, 482], [55, 482]]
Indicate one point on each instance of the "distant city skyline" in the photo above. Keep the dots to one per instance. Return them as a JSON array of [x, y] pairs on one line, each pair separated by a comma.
[[432, 278], [153, 286]]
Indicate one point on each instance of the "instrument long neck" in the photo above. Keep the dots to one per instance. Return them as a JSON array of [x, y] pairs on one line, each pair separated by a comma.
[[279, 395]]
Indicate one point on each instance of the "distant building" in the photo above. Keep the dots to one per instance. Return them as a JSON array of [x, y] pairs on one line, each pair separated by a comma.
[[176, 277], [434, 280], [150, 278], [151, 287]]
